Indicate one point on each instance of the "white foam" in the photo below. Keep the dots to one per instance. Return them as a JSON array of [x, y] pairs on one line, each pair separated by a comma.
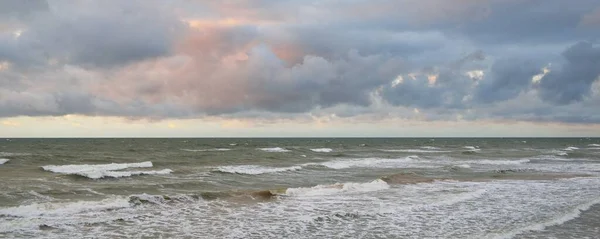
[[571, 148], [275, 150], [322, 150], [320, 190], [415, 151], [369, 163], [429, 147], [97, 171], [3, 161], [594, 145], [472, 148], [64, 208], [462, 166], [575, 213], [206, 150], [255, 169]]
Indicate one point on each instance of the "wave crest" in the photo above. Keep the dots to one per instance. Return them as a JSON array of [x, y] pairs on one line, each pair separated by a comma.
[[320, 190], [275, 150], [322, 150], [98, 171], [255, 169]]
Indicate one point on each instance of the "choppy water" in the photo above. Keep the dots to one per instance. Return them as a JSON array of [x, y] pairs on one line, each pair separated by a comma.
[[300, 188]]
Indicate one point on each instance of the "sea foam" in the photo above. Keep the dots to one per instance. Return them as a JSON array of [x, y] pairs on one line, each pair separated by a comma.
[[3, 161], [64, 208], [574, 213], [97, 171]]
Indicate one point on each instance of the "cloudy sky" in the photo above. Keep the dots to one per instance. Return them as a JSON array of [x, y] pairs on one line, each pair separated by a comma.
[[198, 68]]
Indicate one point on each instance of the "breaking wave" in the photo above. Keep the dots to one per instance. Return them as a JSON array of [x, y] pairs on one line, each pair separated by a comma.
[[322, 150], [571, 148], [3, 161], [255, 169], [369, 163], [594, 145], [337, 188], [98, 171], [275, 150]]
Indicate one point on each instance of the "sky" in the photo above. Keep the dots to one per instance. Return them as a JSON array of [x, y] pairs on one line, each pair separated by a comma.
[[322, 68]]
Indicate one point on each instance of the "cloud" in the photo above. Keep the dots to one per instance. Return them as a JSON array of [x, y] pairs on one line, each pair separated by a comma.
[[573, 81], [432, 59], [79, 33]]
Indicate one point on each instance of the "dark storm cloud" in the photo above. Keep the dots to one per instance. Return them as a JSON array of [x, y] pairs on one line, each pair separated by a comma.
[[507, 78], [573, 80]]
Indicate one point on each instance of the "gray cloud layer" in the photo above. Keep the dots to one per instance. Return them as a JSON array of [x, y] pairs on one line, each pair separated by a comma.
[[449, 59]]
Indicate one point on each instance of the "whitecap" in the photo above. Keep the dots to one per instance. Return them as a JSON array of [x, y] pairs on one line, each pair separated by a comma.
[[571, 148], [465, 166], [255, 169], [320, 190], [275, 150], [430, 147], [472, 148], [369, 163], [3, 161], [97, 171], [594, 145], [322, 150]]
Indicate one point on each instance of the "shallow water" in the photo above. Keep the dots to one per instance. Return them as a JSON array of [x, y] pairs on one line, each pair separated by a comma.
[[300, 188]]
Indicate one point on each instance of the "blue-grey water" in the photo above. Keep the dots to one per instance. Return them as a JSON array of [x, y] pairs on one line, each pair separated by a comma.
[[300, 188]]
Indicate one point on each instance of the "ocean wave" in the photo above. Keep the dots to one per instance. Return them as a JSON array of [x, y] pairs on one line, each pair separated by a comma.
[[368, 162], [322, 150], [430, 147], [206, 150], [568, 216], [255, 169], [64, 208], [337, 188], [472, 148], [461, 166], [571, 148], [97, 171], [594, 145], [275, 150], [3, 161], [7, 154]]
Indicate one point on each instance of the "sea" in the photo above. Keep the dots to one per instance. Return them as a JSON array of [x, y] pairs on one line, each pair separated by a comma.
[[300, 188]]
